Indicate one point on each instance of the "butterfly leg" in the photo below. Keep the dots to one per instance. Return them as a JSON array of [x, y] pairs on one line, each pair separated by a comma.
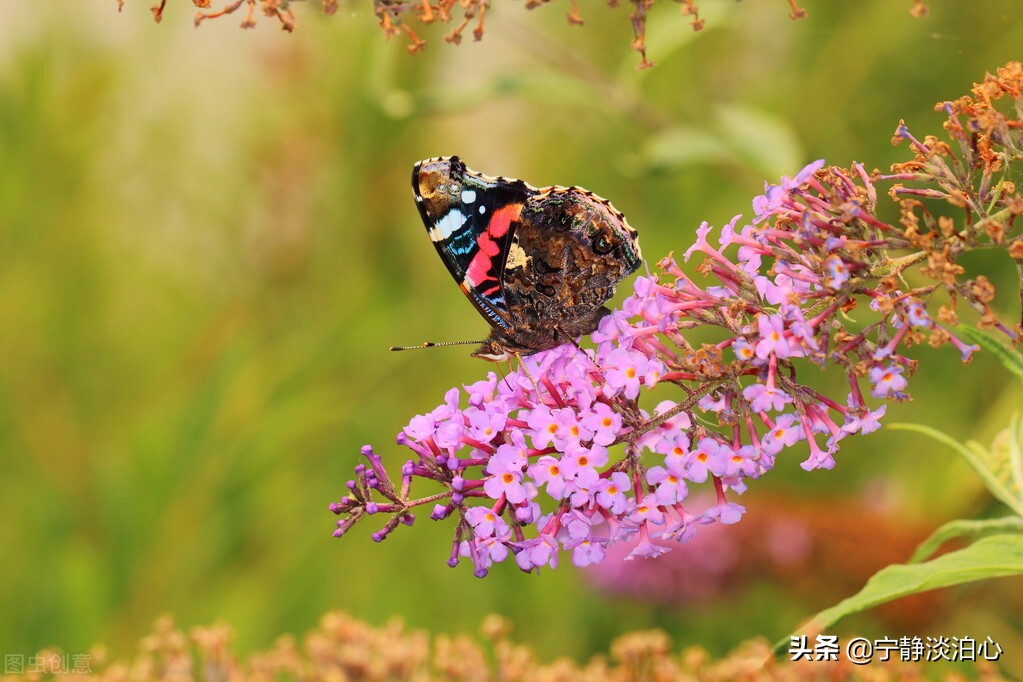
[[525, 370]]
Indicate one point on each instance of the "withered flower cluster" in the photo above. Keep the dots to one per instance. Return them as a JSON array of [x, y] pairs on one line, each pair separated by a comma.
[[275, 9], [397, 16], [343, 648]]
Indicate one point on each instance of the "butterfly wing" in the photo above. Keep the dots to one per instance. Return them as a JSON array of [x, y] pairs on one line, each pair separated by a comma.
[[471, 220], [570, 250]]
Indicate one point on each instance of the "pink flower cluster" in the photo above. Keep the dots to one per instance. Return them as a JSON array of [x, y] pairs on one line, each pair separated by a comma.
[[560, 456]]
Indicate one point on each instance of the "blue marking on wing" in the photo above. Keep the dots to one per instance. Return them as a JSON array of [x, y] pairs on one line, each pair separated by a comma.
[[462, 246]]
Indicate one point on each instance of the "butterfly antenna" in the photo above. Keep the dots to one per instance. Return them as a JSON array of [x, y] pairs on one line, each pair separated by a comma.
[[431, 344]]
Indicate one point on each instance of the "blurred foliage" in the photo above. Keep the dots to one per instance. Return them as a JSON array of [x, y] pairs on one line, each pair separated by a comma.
[[207, 242]]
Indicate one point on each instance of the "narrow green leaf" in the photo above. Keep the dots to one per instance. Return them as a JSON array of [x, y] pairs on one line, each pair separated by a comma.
[[963, 528], [994, 556], [1014, 448], [1012, 360], [979, 459]]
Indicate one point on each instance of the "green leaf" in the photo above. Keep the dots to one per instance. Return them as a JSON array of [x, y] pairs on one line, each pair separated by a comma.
[[965, 528], [762, 139], [1014, 450], [998, 468], [679, 146], [994, 556], [1012, 360]]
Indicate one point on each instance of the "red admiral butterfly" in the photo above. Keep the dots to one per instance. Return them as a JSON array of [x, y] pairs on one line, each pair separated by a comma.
[[538, 263]]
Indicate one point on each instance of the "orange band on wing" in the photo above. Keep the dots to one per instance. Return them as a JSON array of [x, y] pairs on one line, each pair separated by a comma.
[[481, 268]]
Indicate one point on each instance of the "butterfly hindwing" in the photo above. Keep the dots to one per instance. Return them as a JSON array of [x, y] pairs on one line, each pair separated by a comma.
[[470, 218], [569, 251]]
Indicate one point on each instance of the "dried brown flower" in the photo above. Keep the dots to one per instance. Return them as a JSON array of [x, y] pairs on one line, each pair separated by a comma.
[[394, 16], [342, 648]]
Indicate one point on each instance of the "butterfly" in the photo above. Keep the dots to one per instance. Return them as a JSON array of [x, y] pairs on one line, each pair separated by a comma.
[[538, 263]]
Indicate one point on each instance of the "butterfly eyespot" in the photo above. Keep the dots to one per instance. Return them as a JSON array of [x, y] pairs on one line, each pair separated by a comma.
[[602, 245]]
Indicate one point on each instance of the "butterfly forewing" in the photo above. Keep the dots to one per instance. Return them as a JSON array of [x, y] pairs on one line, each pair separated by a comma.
[[470, 218]]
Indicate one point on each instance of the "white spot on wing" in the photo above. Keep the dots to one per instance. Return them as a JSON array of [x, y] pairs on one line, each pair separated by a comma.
[[468, 196], [483, 209], [448, 225], [517, 258]]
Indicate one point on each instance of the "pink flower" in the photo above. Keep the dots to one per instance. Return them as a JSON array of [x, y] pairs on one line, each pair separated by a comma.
[[626, 371], [772, 337], [763, 398], [603, 422], [611, 495], [547, 471], [537, 552], [670, 484], [785, 433], [887, 381]]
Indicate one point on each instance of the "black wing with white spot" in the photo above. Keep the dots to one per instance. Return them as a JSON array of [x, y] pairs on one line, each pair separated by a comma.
[[471, 219]]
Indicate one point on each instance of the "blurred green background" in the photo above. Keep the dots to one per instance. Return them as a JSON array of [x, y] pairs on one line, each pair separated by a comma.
[[208, 242]]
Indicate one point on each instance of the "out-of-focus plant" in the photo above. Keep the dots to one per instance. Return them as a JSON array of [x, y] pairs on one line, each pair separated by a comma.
[[343, 648], [396, 16], [815, 550], [275, 9], [997, 547], [817, 281]]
